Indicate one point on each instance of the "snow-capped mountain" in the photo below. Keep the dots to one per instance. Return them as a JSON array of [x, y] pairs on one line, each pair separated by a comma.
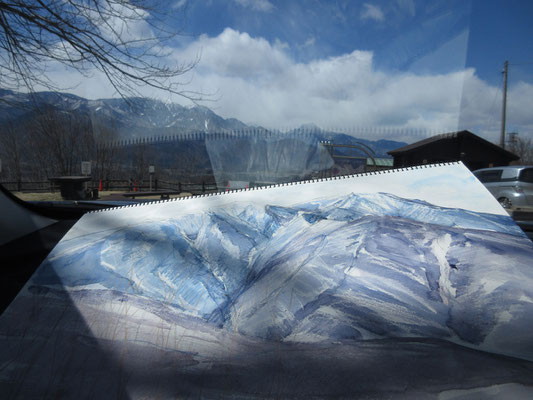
[[134, 117], [360, 267], [137, 117], [160, 116]]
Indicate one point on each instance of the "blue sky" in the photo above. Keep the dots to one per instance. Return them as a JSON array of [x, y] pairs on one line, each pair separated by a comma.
[[400, 64], [398, 32], [501, 30]]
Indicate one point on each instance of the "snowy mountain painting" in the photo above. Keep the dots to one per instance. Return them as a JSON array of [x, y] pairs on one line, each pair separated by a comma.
[[326, 289]]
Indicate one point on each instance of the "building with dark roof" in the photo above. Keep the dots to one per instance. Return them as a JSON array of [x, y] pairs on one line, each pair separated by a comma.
[[474, 151]]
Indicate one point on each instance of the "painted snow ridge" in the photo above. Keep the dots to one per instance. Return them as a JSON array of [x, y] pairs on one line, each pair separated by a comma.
[[335, 270], [357, 205], [386, 277]]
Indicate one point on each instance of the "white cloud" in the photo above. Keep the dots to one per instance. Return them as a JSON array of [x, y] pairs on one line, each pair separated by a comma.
[[123, 23], [237, 55], [371, 11], [179, 4], [257, 82], [481, 108], [258, 5], [310, 42]]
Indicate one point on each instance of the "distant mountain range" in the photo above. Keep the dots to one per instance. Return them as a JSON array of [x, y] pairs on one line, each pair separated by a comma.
[[134, 117], [137, 118]]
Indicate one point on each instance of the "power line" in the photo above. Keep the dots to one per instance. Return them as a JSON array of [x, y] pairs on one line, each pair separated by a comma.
[[496, 93]]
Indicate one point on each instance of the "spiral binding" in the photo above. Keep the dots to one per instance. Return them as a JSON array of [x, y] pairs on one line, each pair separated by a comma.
[[259, 133], [318, 180], [263, 133]]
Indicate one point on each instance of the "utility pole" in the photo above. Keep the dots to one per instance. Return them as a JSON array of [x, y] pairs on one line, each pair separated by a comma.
[[504, 106]]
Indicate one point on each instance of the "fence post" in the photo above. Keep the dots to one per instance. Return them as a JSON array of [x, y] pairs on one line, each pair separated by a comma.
[[203, 187], [179, 187], [19, 186]]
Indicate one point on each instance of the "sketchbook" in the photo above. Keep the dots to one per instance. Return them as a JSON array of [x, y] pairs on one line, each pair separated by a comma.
[[411, 282]]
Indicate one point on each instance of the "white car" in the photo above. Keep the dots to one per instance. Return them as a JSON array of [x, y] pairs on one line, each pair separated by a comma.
[[512, 185]]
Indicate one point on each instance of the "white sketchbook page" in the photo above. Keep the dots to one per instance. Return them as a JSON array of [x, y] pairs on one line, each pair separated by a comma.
[[304, 289]]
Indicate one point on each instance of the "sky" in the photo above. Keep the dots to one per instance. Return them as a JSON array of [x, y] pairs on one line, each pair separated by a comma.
[[405, 66]]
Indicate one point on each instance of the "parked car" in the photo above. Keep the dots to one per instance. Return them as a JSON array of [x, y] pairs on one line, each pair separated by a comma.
[[512, 185]]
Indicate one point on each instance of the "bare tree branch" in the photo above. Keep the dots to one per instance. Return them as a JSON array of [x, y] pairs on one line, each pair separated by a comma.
[[123, 39]]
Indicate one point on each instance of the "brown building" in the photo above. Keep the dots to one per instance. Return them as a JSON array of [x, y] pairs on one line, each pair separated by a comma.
[[474, 151]]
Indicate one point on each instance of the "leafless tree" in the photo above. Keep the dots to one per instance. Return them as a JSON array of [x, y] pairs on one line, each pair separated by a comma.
[[11, 151], [124, 39], [60, 141], [105, 153], [523, 148], [140, 161]]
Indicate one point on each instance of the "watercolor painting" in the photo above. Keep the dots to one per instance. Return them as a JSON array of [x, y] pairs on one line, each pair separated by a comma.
[[341, 288]]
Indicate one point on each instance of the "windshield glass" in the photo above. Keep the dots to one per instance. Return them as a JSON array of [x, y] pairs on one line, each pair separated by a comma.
[[190, 97], [489, 176], [526, 175]]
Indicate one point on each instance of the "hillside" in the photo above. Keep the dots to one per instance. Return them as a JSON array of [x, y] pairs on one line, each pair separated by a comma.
[[137, 117]]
